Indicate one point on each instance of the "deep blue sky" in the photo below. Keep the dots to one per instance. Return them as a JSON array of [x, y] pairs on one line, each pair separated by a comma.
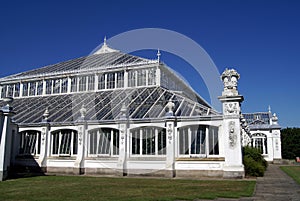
[[261, 39]]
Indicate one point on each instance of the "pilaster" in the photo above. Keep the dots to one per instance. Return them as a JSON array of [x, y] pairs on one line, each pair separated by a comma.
[[123, 139], [81, 144], [170, 146], [5, 137]]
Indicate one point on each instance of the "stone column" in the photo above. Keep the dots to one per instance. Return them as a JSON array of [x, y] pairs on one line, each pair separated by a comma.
[[231, 102], [81, 127], [5, 138], [170, 132]]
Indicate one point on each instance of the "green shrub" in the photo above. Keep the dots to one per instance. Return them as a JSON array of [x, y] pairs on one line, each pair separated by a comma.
[[255, 164], [253, 168]]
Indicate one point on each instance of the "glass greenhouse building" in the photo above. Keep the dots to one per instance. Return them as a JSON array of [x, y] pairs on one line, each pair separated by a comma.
[[113, 113]]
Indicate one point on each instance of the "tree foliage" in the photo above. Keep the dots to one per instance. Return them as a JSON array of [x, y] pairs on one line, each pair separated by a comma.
[[290, 143]]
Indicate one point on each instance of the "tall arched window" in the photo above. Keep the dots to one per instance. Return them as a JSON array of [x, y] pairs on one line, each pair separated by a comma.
[[30, 142], [148, 141], [103, 142], [259, 141], [64, 142]]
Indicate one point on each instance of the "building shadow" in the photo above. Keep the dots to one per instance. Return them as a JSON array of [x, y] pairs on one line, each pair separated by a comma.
[[24, 167]]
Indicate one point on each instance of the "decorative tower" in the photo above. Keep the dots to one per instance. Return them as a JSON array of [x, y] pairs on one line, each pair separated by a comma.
[[231, 102]]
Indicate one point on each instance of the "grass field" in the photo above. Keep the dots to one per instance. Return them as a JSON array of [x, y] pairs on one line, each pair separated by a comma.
[[97, 188], [292, 171]]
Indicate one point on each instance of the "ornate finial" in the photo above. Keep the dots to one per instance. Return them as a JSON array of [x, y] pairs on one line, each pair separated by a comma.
[[7, 101], [46, 115], [230, 79], [275, 119], [170, 106], [104, 41], [269, 108], [158, 55], [82, 111]]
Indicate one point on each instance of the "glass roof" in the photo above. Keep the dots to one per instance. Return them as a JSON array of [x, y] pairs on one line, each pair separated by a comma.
[[257, 118], [84, 63], [141, 103]]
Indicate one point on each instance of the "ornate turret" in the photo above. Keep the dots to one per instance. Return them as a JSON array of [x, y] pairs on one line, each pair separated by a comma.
[[233, 125], [230, 79]]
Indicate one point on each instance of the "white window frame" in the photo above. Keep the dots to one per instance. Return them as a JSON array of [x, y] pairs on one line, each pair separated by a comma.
[[142, 138], [25, 140], [112, 150], [74, 136], [191, 132]]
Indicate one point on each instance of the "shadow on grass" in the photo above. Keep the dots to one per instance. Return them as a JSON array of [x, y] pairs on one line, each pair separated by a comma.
[[27, 168]]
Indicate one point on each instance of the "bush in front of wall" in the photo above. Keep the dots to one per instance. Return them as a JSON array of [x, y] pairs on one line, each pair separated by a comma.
[[254, 163]]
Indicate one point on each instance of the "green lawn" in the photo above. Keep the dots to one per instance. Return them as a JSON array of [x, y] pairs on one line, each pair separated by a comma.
[[292, 171], [97, 188]]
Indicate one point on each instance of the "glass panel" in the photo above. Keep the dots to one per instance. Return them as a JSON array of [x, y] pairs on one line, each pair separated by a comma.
[[141, 77], [148, 140], [120, 79], [48, 86], [101, 81], [55, 143], [17, 90], [91, 82], [132, 78], [65, 143], [199, 139], [135, 149], [213, 141], [110, 80], [10, 90], [184, 141], [64, 85], [151, 76], [32, 88], [116, 142], [29, 143], [39, 88], [82, 83], [93, 143], [3, 91], [25, 89], [73, 84], [162, 142], [56, 86]]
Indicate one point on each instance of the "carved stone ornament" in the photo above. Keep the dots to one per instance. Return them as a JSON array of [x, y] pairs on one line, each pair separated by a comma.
[[43, 136], [232, 134], [231, 108], [230, 79], [169, 131]]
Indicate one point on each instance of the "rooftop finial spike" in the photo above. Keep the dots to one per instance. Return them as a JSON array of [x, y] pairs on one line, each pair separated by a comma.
[[104, 41], [158, 54], [269, 108]]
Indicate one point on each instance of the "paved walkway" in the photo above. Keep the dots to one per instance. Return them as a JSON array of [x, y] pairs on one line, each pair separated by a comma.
[[274, 186]]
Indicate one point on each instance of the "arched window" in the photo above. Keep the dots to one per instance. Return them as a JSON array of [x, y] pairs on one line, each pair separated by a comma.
[[30, 142], [148, 141], [198, 141], [103, 142], [64, 142], [259, 141]]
